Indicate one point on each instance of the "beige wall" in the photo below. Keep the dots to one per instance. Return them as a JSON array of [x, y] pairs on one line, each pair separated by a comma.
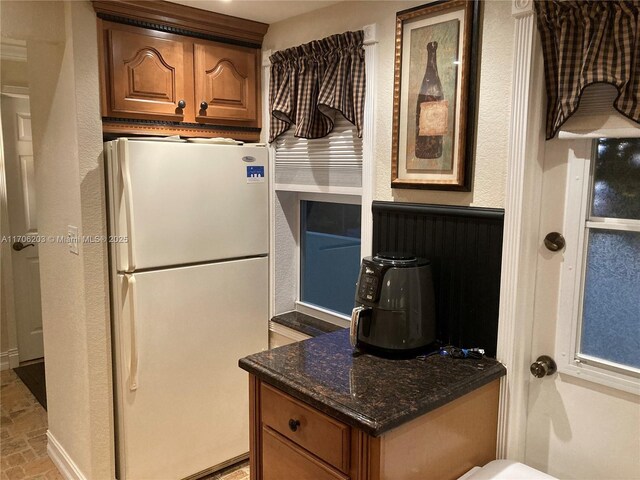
[[63, 79], [494, 100]]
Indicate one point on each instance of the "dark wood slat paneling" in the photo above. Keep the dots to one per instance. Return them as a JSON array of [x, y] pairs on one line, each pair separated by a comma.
[[464, 245]]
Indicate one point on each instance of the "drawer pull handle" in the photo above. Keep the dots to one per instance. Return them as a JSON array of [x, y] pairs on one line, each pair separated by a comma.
[[294, 424]]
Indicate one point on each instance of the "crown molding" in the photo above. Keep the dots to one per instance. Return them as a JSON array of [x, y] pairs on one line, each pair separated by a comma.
[[173, 16]]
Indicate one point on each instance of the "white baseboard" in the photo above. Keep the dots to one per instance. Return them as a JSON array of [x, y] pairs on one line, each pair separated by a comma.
[[9, 359], [62, 460]]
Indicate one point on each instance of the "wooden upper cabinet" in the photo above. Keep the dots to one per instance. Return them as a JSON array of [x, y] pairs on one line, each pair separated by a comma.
[[226, 83], [159, 61], [147, 74]]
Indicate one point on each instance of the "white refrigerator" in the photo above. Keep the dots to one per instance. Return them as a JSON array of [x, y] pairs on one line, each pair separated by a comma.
[[189, 291]]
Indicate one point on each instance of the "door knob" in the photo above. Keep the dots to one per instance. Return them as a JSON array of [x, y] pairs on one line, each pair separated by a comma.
[[17, 246], [182, 104], [554, 241], [543, 366], [204, 105]]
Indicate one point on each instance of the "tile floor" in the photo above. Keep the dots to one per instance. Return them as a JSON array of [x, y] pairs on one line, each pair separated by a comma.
[[23, 427], [23, 440]]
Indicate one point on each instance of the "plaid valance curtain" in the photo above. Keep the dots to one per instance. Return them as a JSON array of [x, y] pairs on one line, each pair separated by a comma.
[[586, 42], [312, 82]]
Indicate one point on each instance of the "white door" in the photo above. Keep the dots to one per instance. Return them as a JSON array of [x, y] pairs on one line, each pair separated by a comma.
[[21, 199], [576, 429], [182, 400]]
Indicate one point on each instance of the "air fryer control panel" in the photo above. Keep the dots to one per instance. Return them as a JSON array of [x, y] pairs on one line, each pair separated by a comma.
[[368, 286]]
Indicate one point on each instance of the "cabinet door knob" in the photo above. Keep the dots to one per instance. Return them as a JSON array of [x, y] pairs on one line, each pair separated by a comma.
[[204, 105], [182, 104], [294, 424]]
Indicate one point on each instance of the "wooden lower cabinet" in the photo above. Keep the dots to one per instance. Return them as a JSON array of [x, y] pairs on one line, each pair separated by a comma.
[[291, 440], [284, 459]]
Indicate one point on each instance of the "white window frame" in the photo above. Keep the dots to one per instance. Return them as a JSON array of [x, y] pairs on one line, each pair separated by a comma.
[[576, 230], [362, 196]]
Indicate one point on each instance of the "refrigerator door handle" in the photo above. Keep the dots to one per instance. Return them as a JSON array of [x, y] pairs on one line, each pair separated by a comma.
[[128, 202], [133, 353]]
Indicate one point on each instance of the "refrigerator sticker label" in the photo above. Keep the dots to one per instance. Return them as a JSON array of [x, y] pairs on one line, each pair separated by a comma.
[[255, 174]]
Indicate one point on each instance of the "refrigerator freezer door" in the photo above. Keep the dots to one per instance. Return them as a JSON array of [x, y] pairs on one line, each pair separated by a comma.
[[177, 204], [182, 401]]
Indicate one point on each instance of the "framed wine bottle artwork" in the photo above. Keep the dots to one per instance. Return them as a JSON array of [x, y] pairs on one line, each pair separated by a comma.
[[434, 104]]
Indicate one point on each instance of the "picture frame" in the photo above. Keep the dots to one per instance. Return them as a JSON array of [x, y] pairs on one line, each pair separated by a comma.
[[434, 101]]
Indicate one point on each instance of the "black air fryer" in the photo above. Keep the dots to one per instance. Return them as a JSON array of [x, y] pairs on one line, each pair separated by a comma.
[[394, 314]]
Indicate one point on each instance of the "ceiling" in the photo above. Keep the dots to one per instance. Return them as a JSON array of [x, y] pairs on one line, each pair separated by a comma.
[[266, 11]]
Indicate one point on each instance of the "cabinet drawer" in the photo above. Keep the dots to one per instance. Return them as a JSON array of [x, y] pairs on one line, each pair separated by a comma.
[[282, 460], [323, 436]]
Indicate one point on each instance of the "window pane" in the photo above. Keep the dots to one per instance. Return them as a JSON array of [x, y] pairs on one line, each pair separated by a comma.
[[616, 178], [611, 311], [330, 254]]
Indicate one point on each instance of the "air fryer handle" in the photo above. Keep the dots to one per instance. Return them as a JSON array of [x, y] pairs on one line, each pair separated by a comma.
[[355, 323]]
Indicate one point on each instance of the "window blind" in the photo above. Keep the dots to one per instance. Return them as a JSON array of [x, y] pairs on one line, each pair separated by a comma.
[[596, 117], [331, 161]]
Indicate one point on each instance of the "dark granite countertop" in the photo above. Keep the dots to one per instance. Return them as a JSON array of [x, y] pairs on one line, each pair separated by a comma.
[[370, 393], [305, 323]]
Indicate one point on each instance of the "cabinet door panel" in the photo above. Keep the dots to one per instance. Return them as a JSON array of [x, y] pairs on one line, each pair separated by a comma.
[[282, 460], [147, 74], [225, 78]]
